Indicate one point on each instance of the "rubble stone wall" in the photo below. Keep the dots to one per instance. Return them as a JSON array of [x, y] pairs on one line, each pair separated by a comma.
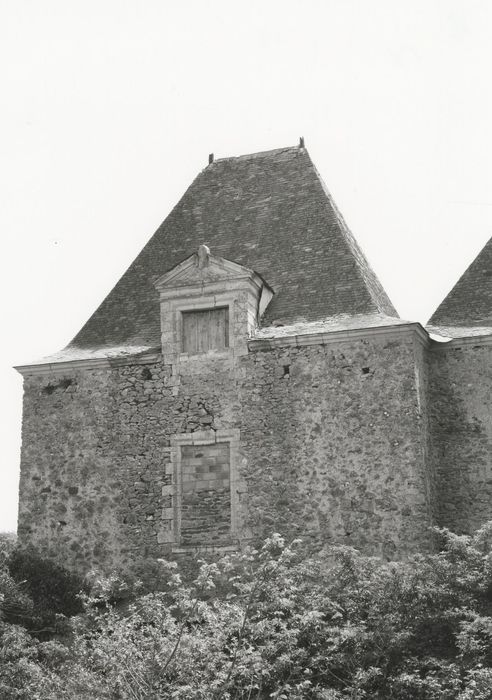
[[332, 448], [461, 410]]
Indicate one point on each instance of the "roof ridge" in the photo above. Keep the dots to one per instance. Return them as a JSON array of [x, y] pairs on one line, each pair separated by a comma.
[[258, 154]]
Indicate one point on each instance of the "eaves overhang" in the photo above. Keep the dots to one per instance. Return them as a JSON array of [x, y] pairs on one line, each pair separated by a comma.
[[457, 342], [103, 362], [413, 330]]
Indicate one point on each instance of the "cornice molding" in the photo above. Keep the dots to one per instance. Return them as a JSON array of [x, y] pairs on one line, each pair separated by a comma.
[[88, 363], [457, 343], [414, 330], [228, 268]]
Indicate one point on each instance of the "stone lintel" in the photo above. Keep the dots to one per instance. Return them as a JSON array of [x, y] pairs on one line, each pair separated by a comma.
[[194, 291]]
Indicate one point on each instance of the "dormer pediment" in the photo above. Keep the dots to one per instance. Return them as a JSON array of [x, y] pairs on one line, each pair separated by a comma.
[[202, 268]]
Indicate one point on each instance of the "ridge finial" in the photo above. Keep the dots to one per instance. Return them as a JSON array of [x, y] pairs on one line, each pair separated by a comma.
[[203, 254]]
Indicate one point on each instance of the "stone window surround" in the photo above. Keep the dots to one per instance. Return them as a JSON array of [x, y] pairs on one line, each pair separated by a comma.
[[173, 515]]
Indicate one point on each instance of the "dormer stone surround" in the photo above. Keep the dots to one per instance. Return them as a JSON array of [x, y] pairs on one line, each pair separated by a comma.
[[204, 281]]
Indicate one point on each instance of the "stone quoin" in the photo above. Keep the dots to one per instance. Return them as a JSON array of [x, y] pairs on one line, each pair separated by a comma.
[[248, 375]]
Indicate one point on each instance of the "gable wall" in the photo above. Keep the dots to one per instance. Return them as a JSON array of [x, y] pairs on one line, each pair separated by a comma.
[[332, 448]]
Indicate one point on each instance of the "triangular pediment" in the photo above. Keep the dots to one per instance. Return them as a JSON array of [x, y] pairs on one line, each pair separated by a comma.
[[201, 268]]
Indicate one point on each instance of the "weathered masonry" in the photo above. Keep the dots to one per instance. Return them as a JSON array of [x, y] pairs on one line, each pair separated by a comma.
[[248, 374]]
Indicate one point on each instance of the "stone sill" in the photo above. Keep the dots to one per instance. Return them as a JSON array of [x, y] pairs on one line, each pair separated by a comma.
[[202, 548], [209, 355]]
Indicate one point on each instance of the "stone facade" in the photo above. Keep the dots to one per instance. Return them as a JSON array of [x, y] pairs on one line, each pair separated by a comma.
[[326, 441], [461, 409], [331, 441], [356, 428]]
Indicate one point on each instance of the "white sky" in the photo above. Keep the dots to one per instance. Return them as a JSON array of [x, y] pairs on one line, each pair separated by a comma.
[[109, 108]]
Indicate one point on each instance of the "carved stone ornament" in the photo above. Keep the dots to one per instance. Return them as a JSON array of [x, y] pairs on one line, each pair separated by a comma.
[[203, 255]]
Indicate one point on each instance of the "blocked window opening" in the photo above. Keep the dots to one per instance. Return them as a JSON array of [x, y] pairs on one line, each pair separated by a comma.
[[205, 330], [205, 512]]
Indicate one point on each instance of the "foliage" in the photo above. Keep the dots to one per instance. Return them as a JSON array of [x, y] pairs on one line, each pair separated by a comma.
[[8, 541], [273, 623], [53, 590]]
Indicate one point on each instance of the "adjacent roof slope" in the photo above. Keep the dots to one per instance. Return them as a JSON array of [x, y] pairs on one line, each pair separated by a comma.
[[467, 309], [269, 212]]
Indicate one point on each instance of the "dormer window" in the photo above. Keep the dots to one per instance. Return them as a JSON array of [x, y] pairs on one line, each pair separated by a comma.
[[209, 305]]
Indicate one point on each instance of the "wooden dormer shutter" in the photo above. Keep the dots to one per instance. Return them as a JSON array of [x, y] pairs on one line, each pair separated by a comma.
[[205, 330]]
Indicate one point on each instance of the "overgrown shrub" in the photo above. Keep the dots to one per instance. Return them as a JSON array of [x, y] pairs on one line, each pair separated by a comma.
[[272, 623], [53, 590], [8, 541]]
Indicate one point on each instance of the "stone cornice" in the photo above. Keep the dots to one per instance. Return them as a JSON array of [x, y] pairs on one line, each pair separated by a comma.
[[457, 343], [414, 330], [65, 366]]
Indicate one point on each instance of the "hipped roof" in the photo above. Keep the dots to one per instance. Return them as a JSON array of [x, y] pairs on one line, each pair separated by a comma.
[[467, 309], [271, 213]]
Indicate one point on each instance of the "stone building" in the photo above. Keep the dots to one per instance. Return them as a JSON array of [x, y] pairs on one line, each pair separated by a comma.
[[249, 374]]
